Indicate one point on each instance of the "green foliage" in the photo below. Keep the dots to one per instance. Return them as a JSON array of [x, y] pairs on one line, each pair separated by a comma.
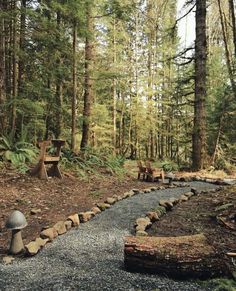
[[92, 162], [160, 209], [224, 207], [95, 194], [137, 65], [222, 163], [19, 154], [169, 166], [115, 164], [224, 285]]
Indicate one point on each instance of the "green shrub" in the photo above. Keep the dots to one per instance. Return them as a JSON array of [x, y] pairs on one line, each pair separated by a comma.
[[92, 162], [19, 154], [223, 285], [225, 165], [169, 166]]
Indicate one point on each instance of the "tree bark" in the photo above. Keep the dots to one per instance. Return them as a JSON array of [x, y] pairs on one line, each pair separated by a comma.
[[231, 9], [227, 52], [14, 70], [74, 94], [2, 70], [59, 83], [114, 85], [184, 256], [21, 65], [199, 130], [88, 93]]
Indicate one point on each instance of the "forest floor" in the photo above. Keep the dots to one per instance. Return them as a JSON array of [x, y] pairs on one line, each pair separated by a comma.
[[56, 199], [213, 214]]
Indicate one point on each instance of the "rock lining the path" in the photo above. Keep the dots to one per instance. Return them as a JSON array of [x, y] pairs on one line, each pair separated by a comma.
[[91, 258], [164, 206], [61, 227]]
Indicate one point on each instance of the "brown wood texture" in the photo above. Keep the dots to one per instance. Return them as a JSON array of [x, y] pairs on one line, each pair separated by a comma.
[[199, 130], [40, 169], [153, 173], [183, 257]]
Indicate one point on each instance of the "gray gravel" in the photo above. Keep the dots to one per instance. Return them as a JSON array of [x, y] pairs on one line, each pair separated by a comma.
[[91, 257]]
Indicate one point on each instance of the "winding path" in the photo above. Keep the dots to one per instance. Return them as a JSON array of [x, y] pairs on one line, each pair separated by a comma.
[[91, 257]]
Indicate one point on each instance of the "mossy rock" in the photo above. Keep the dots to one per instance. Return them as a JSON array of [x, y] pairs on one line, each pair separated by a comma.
[[160, 209]]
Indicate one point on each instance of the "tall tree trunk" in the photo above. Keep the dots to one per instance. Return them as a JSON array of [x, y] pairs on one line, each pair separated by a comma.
[[88, 93], [227, 52], [59, 83], [21, 65], [199, 130], [150, 37], [231, 9], [14, 69], [2, 70], [74, 95], [114, 85]]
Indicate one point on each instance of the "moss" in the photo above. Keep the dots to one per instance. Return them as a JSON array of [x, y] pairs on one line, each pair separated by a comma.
[[160, 209]]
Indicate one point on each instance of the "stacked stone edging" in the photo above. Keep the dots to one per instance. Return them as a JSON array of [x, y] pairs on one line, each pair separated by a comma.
[[164, 206], [74, 220], [222, 182]]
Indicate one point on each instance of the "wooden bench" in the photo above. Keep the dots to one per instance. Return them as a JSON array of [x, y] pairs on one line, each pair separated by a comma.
[[141, 171], [40, 169], [152, 174]]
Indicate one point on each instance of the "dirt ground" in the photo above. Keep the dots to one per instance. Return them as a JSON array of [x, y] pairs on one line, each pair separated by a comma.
[[55, 199], [204, 214]]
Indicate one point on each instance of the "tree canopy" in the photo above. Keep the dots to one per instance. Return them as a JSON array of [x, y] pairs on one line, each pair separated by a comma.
[[112, 76]]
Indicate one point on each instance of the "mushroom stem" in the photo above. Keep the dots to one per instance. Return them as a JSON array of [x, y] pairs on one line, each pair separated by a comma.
[[16, 242]]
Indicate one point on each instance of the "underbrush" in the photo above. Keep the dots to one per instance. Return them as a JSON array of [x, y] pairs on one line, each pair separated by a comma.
[[18, 154], [92, 163], [22, 155], [223, 284]]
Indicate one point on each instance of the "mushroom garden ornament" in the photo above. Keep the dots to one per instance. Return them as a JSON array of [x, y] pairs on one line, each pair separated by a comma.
[[16, 222]]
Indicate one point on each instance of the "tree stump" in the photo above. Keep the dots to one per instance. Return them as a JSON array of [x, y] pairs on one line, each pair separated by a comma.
[[181, 257]]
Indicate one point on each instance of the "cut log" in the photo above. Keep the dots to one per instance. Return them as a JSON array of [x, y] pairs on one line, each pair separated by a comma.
[[184, 256]]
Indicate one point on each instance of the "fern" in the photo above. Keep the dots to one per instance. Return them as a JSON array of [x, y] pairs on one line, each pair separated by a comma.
[[18, 154]]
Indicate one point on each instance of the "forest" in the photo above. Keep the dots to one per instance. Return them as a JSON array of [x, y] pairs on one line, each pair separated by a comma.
[[132, 104], [112, 78]]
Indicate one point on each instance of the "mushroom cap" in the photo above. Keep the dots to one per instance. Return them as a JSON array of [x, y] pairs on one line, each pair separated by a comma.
[[16, 220]]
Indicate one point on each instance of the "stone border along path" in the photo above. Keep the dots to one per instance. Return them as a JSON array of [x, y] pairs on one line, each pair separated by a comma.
[[91, 257], [143, 223]]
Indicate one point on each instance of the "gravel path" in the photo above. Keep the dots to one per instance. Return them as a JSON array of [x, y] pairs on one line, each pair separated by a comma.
[[91, 257]]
